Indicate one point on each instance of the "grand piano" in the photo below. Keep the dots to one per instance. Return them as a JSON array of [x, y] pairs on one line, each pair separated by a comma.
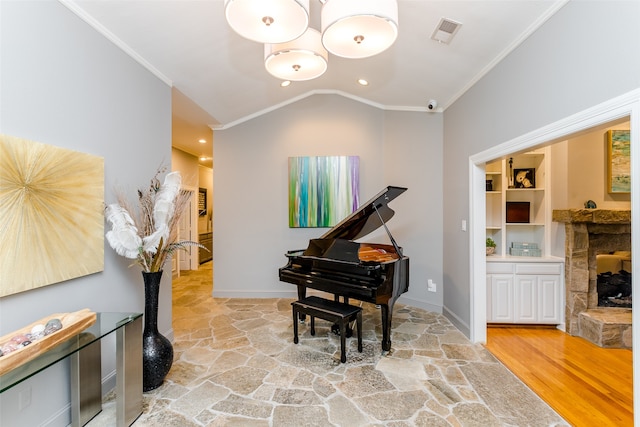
[[370, 272]]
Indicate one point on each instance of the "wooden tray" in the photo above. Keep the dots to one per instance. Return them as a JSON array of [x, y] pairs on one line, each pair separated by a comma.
[[72, 324]]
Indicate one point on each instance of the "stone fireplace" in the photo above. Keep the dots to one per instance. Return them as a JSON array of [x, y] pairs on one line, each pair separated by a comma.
[[589, 232]]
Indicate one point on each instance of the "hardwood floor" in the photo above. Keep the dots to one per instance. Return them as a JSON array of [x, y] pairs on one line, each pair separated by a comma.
[[587, 385]]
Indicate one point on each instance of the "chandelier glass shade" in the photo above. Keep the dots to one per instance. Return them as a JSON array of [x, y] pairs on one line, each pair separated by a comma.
[[293, 51], [268, 21], [301, 59], [359, 28]]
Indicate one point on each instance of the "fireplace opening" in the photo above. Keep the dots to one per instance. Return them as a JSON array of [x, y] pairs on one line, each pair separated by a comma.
[[614, 279]]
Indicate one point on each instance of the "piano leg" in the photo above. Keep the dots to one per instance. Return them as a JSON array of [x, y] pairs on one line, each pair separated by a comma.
[[302, 294], [386, 327]]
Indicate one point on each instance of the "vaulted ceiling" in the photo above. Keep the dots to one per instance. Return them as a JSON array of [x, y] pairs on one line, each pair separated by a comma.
[[219, 78]]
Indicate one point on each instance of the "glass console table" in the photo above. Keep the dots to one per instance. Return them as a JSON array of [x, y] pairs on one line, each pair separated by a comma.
[[84, 352]]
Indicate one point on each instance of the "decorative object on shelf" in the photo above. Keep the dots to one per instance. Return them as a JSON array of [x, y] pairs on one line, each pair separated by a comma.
[[590, 204], [43, 335], [619, 156], [491, 246], [525, 249], [510, 172], [518, 212], [525, 178], [51, 214], [149, 235], [489, 185]]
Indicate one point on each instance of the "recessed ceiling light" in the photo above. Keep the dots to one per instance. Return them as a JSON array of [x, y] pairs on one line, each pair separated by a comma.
[[202, 141], [363, 82], [285, 83]]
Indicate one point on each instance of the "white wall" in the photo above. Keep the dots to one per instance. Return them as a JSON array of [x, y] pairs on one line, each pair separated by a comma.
[[61, 83], [251, 233], [559, 175], [563, 68]]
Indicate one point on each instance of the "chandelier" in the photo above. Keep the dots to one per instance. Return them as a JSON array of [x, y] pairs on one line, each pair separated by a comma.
[[294, 51]]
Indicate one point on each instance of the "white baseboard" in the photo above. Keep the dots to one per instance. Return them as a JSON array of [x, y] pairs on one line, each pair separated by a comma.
[[457, 322]]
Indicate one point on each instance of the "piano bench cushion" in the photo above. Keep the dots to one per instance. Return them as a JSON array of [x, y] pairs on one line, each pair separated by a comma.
[[332, 311]]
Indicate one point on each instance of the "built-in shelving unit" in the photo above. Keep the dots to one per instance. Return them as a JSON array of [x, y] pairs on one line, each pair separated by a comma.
[[503, 188], [522, 289]]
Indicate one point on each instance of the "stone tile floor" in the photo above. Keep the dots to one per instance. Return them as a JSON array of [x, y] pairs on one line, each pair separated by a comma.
[[236, 365]]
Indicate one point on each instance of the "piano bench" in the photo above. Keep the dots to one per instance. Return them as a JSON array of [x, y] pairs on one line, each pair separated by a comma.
[[333, 311]]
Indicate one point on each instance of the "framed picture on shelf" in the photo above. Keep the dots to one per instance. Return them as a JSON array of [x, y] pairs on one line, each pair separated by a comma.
[[619, 161], [518, 212], [524, 178]]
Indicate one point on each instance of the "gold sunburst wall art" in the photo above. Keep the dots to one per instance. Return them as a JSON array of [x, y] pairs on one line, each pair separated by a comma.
[[51, 214]]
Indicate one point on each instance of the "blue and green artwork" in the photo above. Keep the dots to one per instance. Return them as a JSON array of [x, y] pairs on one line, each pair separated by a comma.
[[322, 190]]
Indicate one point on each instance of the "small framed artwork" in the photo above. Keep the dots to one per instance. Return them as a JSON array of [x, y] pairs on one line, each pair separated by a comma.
[[518, 212], [524, 178], [202, 201], [619, 161]]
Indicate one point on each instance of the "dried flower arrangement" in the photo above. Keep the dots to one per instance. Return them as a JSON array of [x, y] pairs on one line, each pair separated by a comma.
[[149, 234]]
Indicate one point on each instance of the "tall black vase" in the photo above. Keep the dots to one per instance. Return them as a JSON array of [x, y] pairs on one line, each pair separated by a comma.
[[157, 350]]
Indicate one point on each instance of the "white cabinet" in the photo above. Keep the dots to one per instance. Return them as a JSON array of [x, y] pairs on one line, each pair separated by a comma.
[[525, 292], [525, 299], [500, 291], [550, 291]]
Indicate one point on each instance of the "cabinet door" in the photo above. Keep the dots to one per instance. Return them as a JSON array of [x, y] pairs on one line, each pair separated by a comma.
[[549, 297], [525, 299], [500, 298]]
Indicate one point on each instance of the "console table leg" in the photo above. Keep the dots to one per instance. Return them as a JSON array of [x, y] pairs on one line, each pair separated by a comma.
[[86, 386], [129, 373]]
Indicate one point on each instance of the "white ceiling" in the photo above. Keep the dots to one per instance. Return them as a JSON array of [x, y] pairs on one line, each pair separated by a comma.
[[219, 78]]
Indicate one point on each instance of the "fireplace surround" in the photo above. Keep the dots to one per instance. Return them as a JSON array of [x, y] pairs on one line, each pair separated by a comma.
[[589, 232]]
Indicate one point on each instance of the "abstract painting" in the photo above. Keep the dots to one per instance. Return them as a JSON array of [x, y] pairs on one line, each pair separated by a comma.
[[51, 214], [322, 190], [619, 149]]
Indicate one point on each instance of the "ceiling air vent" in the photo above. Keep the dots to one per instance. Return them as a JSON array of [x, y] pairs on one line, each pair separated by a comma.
[[445, 30]]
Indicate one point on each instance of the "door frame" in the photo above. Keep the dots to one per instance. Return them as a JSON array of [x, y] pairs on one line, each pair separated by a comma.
[[622, 106]]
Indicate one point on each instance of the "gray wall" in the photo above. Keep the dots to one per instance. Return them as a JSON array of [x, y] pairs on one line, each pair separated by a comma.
[[585, 54], [64, 84], [251, 233]]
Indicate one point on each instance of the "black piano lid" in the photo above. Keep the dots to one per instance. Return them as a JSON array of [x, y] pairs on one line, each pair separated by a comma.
[[365, 220]]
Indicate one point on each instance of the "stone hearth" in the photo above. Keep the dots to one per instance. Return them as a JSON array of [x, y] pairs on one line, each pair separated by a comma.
[[607, 327], [589, 232]]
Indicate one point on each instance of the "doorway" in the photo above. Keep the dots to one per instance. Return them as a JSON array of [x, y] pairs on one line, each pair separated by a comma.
[[188, 231], [611, 111], [627, 105]]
